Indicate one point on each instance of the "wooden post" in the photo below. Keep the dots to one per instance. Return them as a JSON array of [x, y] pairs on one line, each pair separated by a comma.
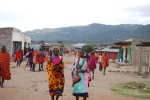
[[140, 60], [149, 63]]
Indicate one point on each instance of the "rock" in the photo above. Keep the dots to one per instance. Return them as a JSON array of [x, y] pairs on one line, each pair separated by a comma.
[[36, 90], [118, 71], [109, 71], [128, 72]]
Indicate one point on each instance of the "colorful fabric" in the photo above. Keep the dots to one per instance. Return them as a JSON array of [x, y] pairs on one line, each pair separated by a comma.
[[91, 63], [56, 79], [81, 87], [41, 57], [105, 61], [96, 57], [18, 55], [5, 65], [47, 58], [35, 57]]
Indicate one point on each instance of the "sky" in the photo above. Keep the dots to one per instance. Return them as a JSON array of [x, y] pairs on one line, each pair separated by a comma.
[[28, 15]]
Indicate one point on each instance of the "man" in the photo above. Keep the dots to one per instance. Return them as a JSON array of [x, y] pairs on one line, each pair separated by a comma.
[[35, 59], [100, 62], [31, 59], [19, 57], [105, 62], [4, 66]]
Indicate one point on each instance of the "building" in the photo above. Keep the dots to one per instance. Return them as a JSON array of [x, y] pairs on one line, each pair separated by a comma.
[[51, 46], [112, 53], [132, 54], [13, 39], [143, 45], [78, 46]]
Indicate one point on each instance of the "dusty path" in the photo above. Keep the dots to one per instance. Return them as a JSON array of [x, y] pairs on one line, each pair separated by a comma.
[[26, 85]]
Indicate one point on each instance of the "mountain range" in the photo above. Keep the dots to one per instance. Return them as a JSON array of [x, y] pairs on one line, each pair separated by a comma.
[[92, 33]]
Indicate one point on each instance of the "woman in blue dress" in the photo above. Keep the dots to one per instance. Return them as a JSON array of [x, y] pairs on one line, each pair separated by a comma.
[[80, 89]]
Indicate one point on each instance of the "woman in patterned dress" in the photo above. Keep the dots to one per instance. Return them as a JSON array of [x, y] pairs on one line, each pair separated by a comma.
[[55, 69]]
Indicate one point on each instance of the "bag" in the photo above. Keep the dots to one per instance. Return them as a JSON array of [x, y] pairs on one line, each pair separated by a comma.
[[76, 79]]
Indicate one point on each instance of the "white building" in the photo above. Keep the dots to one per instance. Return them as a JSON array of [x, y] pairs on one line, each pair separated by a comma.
[[13, 39], [78, 46]]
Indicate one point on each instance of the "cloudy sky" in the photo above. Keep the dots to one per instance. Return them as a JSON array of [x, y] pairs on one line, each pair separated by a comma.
[[37, 14]]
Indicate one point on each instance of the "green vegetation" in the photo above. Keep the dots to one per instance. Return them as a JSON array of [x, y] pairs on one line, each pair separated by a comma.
[[88, 48], [133, 89], [142, 75]]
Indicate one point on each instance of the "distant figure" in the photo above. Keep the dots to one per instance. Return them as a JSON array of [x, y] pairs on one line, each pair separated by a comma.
[[19, 57], [46, 59], [105, 62], [4, 66], [30, 59], [92, 64], [87, 57], [55, 70], [113, 58], [35, 59], [41, 56], [96, 57], [100, 62], [50, 53], [75, 53]]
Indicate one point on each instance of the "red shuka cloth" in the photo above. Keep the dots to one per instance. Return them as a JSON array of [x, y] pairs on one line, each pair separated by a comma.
[[5, 65]]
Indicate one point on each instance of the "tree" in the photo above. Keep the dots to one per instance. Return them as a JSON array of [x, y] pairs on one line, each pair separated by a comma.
[[88, 48]]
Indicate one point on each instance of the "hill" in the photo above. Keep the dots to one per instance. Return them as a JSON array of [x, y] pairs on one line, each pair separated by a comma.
[[93, 33]]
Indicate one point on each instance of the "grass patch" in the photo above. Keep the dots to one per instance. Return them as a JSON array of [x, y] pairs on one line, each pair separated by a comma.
[[143, 75], [133, 89]]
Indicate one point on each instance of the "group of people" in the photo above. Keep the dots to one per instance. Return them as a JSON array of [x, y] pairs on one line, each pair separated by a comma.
[[83, 65], [33, 57]]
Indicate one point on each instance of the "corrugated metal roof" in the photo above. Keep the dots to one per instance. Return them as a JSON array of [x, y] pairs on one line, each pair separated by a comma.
[[109, 50]]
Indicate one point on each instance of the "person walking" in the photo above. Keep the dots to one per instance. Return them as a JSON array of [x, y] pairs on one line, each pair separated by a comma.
[[105, 62], [100, 62], [92, 64], [41, 56], [4, 66], [80, 89], [55, 72]]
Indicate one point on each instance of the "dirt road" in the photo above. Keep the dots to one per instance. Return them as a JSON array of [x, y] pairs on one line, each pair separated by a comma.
[[27, 85]]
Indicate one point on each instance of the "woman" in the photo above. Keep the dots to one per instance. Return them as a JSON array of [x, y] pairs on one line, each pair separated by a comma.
[[55, 69], [81, 88], [92, 64]]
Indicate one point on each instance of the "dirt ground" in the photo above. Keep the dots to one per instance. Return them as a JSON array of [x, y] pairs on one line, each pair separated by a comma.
[[27, 85]]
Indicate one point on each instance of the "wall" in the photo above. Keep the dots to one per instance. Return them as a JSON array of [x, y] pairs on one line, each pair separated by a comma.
[[137, 52], [6, 38]]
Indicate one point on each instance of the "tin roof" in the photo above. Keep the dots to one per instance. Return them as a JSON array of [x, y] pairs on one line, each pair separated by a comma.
[[109, 50], [143, 44]]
